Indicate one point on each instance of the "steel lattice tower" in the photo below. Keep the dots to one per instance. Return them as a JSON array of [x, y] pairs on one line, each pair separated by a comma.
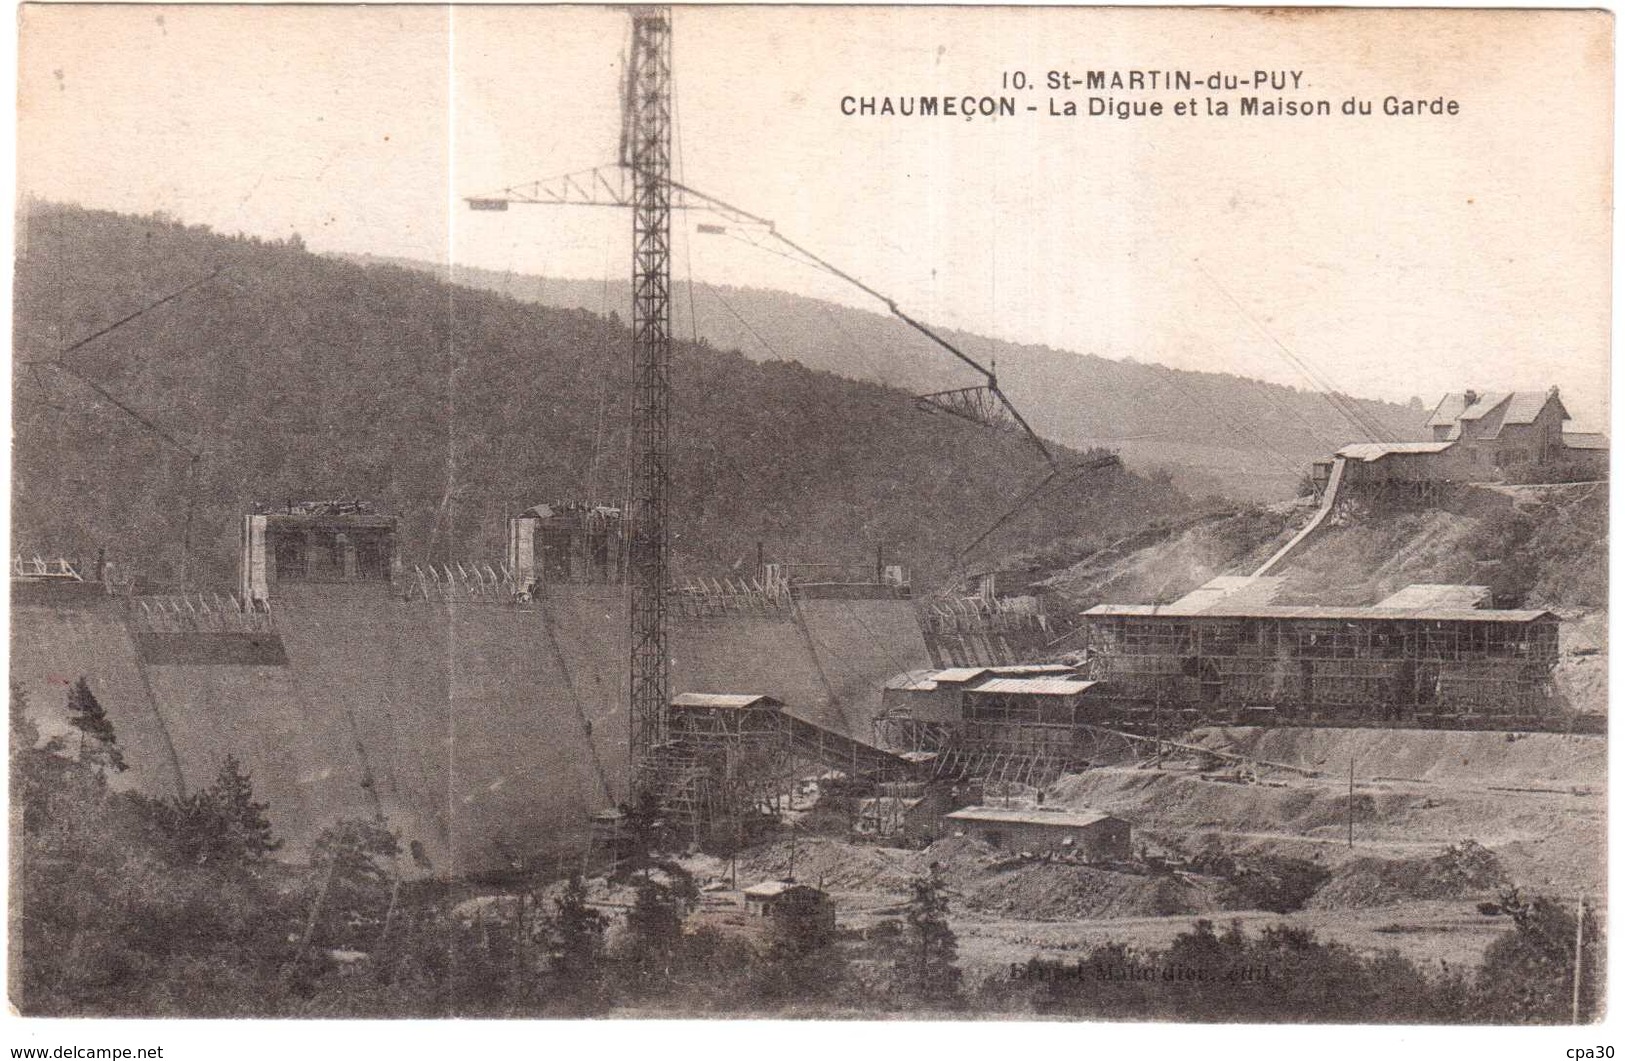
[[647, 145]]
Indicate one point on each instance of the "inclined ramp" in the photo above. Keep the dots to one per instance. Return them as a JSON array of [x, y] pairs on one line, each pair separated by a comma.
[[1328, 501]]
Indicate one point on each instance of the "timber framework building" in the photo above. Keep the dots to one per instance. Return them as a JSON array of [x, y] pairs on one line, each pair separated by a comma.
[[1020, 724], [1439, 666], [733, 757]]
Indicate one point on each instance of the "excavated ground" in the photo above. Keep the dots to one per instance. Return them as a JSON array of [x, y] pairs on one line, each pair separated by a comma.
[[1443, 821]]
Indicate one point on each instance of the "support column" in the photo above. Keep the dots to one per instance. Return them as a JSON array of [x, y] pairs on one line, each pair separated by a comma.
[[522, 549], [648, 145], [252, 581]]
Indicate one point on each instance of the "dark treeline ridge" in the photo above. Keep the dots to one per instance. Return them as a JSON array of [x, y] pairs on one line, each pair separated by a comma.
[[124, 905], [1215, 430], [296, 375]]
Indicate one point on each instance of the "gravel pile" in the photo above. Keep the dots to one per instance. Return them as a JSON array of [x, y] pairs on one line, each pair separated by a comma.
[[1463, 871], [1053, 891]]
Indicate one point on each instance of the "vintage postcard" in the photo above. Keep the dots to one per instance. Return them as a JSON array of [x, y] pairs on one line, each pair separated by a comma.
[[810, 512]]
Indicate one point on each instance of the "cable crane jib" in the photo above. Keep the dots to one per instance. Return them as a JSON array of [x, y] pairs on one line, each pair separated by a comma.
[[979, 405]]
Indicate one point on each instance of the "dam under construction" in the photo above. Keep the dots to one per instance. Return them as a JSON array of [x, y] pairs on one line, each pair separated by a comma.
[[481, 709]]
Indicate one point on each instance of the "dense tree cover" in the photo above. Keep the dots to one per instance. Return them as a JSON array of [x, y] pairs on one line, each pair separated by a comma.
[[112, 913], [1528, 975], [1283, 973], [300, 376], [1172, 416]]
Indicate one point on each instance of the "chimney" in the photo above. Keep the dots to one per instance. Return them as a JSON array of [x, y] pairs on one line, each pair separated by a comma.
[[1472, 398]]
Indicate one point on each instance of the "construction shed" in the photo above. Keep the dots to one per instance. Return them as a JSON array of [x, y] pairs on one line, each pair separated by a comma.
[[1037, 714], [1012, 723], [1092, 834], [910, 811], [788, 901], [938, 696], [1424, 656]]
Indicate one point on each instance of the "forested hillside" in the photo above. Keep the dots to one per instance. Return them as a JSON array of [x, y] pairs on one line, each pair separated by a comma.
[[297, 375], [1214, 431]]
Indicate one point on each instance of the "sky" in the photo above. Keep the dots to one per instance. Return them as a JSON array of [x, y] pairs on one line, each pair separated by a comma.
[[1388, 255]]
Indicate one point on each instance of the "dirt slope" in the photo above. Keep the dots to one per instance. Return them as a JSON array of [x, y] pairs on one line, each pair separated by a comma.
[[1534, 547], [1536, 802]]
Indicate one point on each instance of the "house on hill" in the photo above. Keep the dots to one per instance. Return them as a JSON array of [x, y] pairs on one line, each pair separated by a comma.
[[1475, 437], [1498, 429]]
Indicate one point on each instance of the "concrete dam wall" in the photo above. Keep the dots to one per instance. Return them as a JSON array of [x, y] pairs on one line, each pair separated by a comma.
[[483, 731]]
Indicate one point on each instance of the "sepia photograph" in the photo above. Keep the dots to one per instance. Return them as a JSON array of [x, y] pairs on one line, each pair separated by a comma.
[[820, 513]]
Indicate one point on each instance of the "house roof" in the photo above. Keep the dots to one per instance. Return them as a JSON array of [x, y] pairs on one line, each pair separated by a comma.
[[1062, 819], [1450, 407], [1491, 410], [1585, 440], [734, 701], [1526, 406], [1522, 407], [1485, 404], [1032, 686]]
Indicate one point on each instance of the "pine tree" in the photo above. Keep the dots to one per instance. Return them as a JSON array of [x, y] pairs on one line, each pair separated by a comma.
[[221, 823], [247, 830], [242, 832], [354, 871], [655, 925], [98, 744], [578, 936], [925, 968]]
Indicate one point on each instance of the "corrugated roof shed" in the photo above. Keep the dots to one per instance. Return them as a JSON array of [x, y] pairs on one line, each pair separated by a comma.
[[771, 888], [735, 701], [1372, 451], [1032, 816], [958, 675], [1443, 615], [1590, 440], [916, 681], [1032, 686]]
